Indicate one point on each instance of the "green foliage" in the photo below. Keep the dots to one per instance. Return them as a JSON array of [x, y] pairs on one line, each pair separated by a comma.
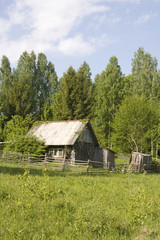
[[23, 96], [145, 79], [108, 94], [135, 124], [65, 102], [84, 92], [35, 205], [16, 137], [2, 123], [29, 88], [46, 86], [26, 144], [6, 79], [69, 94], [32, 88], [74, 96], [57, 103], [17, 126]]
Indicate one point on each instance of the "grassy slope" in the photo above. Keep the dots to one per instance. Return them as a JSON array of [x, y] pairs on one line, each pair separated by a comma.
[[73, 206]]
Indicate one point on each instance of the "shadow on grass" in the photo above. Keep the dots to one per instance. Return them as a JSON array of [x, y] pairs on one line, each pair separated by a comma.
[[19, 170], [15, 169]]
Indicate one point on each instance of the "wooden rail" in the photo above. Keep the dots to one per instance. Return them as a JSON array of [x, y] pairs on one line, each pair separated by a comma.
[[70, 165]]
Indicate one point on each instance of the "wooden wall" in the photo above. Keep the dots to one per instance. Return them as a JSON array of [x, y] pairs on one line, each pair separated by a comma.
[[140, 158], [104, 155], [84, 151]]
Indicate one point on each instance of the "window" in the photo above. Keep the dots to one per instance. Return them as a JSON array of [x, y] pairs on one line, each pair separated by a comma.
[[58, 152], [55, 152]]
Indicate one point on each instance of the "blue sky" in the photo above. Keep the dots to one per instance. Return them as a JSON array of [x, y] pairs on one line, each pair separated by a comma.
[[72, 31]]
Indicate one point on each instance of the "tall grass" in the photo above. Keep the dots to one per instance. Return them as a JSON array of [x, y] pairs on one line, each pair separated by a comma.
[[37, 204]]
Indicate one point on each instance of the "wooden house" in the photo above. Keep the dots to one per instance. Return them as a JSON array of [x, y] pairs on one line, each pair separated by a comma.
[[73, 140], [67, 139]]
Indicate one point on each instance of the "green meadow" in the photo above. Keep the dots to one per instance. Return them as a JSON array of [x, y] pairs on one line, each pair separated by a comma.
[[42, 204]]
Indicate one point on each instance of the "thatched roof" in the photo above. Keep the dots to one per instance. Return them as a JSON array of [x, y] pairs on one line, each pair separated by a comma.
[[58, 133]]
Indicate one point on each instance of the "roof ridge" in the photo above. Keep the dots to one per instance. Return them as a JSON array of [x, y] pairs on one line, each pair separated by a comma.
[[64, 121]]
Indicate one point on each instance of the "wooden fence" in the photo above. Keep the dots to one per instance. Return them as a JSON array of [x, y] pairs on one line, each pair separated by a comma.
[[61, 164]]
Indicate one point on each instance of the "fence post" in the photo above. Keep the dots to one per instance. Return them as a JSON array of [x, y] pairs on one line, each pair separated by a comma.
[[45, 160], [88, 166], [20, 158], [63, 167], [6, 155], [29, 158], [124, 169]]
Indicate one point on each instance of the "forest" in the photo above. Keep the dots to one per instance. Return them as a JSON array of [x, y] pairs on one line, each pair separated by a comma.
[[123, 110]]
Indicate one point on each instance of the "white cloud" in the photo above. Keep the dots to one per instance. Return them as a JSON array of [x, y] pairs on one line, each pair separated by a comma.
[[46, 26], [75, 45], [145, 18], [79, 46]]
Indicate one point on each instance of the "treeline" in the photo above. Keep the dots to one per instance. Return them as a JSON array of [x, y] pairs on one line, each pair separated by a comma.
[[124, 110]]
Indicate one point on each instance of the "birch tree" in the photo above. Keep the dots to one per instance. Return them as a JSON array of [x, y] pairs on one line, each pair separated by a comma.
[[134, 125]]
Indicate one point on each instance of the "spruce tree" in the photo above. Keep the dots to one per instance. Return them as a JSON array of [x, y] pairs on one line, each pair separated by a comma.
[[69, 102], [57, 102], [108, 94], [84, 92], [74, 97], [65, 101]]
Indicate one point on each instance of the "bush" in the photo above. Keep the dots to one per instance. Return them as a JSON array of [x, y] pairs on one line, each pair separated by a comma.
[[17, 139], [26, 144]]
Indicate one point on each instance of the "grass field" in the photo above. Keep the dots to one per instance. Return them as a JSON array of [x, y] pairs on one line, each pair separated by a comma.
[[37, 204]]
